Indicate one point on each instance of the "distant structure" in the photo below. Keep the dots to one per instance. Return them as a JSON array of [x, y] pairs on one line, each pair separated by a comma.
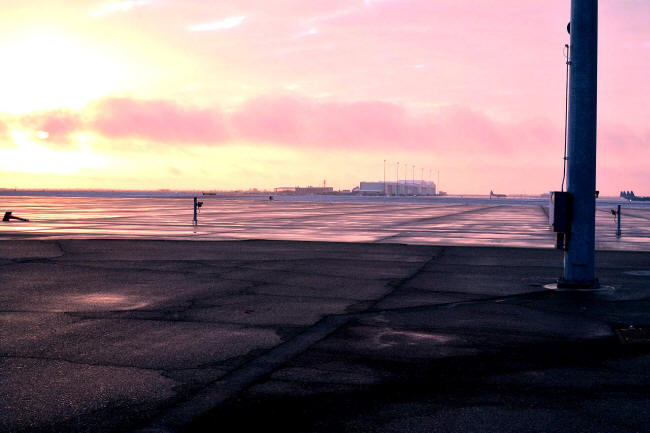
[[492, 194], [629, 195], [304, 189], [314, 190], [403, 187]]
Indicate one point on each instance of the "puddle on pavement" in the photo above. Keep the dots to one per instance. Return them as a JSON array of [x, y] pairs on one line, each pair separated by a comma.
[[103, 302], [443, 221]]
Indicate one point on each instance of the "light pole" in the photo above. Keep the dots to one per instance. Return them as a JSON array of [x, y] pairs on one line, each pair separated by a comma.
[[397, 180], [385, 178], [421, 179], [581, 147], [413, 182]]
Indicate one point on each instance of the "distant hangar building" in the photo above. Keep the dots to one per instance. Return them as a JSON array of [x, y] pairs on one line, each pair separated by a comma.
[[299, 190], [407, 187]]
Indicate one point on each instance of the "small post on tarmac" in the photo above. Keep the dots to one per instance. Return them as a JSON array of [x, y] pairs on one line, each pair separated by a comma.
[[196, 222], [618, 221]]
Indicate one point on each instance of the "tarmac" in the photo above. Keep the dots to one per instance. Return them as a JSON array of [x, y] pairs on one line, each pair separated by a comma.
[[508, 222], [202, 336]]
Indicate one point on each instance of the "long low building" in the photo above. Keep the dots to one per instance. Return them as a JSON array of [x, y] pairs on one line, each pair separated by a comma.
[[408, 187], [305, 189]]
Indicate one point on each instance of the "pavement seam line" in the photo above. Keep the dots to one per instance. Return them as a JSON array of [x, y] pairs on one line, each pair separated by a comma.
[[208, 398], [213, 395], [436, 256], [90, 364], [216, 393], [431, 218]]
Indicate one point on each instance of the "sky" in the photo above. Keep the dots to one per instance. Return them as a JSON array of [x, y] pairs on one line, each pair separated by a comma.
[[217, 95]]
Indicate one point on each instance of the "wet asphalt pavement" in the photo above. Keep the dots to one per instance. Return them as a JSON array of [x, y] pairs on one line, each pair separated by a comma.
[[166, 336], [412, 220]]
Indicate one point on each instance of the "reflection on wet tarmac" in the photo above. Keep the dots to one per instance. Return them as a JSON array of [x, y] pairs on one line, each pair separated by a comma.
[[104, 301], [443, 221]]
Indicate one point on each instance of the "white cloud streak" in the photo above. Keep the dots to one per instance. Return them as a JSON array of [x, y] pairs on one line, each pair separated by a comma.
[[224, 24], [312, 31], [114, 7]]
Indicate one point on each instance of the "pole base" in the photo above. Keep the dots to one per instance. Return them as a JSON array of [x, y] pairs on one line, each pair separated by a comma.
[[578, 285]]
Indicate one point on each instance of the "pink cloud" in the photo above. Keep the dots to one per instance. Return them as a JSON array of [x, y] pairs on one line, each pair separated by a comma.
[[57, 123], [381, 125], [622, 147], [313, 124], [308, 123], [304, 123], [157, 120]]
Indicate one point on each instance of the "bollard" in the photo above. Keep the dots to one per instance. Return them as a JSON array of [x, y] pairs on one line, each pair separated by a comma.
[[617, 215], [195, 212]]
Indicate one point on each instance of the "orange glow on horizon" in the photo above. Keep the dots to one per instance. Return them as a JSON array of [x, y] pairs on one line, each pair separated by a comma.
[[149, 94], [30, 156]]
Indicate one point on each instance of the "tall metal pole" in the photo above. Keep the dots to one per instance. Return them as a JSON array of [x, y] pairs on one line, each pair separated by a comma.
[[397, 180], [414, 188], [385, 177], [581, 152], [421, 180]]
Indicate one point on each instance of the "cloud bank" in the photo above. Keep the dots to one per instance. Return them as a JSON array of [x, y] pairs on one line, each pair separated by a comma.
[[308, 124], [295, 122], [156, 120]]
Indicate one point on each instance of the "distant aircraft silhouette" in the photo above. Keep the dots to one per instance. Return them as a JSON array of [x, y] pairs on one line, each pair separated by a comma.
[[629, 195], [492, 194]]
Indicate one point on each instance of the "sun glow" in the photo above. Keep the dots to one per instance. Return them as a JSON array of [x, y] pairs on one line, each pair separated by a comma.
[[31, 157], [47, 71]]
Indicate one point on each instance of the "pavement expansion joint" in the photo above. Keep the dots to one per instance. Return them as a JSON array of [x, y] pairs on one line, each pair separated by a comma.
[[478, 300], [75, 362], [223, 389], [438, 217], [59, 245], [400, 283]]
